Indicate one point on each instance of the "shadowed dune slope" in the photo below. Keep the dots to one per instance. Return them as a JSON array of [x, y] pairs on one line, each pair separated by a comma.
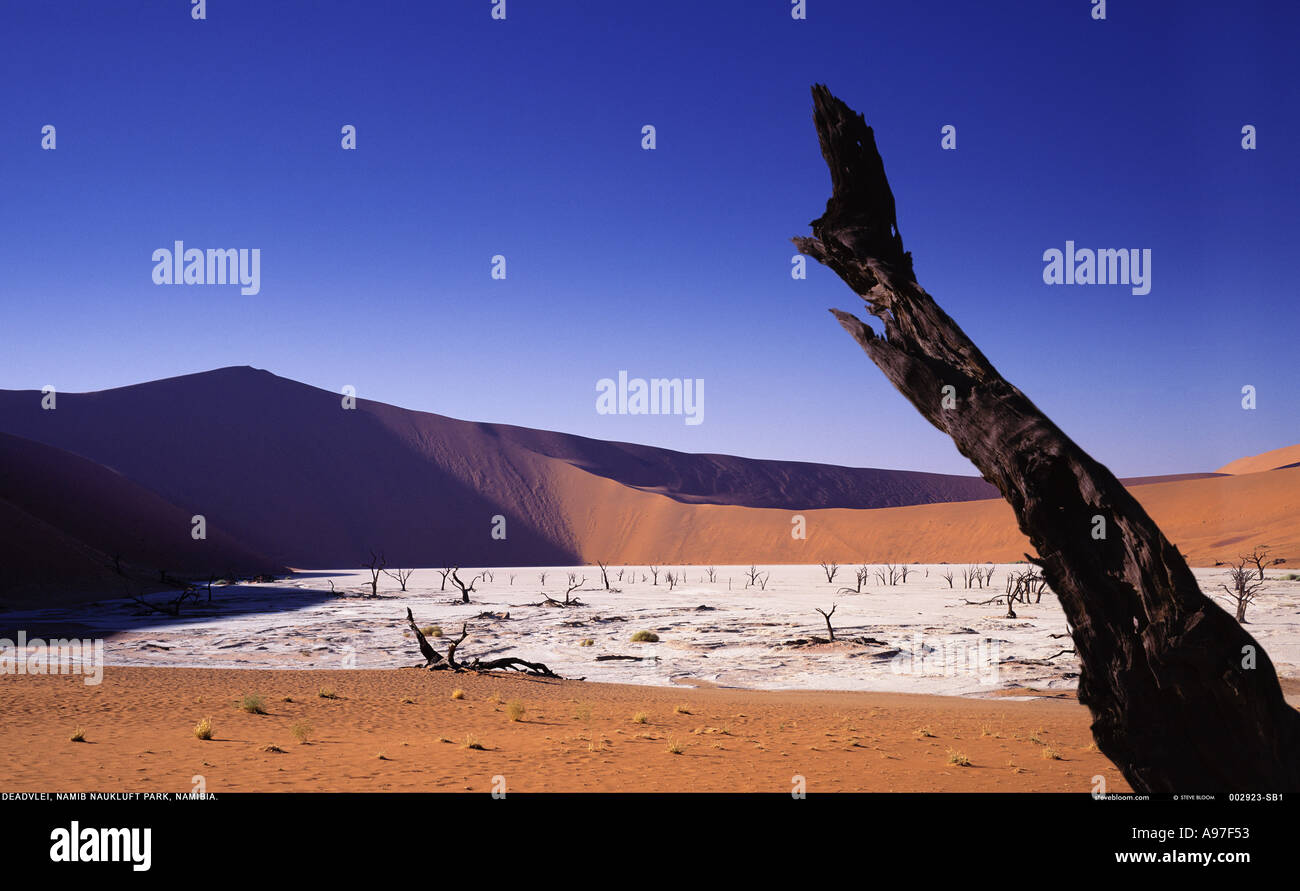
[[66, 519]]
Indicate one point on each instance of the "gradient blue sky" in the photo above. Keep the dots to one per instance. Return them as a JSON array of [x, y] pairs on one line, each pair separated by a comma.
[[522, 138]]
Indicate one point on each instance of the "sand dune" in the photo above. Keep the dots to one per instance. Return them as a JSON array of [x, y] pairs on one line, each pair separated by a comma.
[[279, 468], [1208, 519], [1288, 456], [67, 518], [291, 473]]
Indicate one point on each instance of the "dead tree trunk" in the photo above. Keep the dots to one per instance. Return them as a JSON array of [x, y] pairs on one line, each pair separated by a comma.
[[434, 661], [1163, 668], [830, 629]]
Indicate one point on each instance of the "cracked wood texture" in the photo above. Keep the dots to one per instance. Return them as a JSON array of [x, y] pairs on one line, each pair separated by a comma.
[[1165, 671]]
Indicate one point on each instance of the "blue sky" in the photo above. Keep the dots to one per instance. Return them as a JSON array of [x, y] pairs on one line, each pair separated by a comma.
[[479, 137]]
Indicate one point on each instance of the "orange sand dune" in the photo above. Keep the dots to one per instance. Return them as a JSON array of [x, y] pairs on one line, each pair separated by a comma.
[[1209, 519], [281, 469], [573, 736], [1283, 457]]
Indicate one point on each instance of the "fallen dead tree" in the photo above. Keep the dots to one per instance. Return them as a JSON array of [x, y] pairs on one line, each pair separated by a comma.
[[1182, 698], [436, 661], [574, 584]]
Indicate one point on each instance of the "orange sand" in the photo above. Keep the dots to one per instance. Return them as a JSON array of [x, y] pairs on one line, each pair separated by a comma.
[[574, 736], [1208, 519], [1263, 461]]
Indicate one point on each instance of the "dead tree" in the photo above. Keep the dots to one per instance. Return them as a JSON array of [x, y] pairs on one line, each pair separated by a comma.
[[903, 572], [1245, 586], [376, 566], [671, 579], [435, 661], [712, 572], [654, 570], [574, 584], [947, 574], [830, 569], [401, 575], [861, 576], [830, 630], [465, 589], [1174, 704], [604, 574], [752, 574], [171, 607], [1259, 557], [444, 572]]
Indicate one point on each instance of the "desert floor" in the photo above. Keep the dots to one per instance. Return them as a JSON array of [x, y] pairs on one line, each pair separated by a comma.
[[921, 636], [402, 730], [921, 677]]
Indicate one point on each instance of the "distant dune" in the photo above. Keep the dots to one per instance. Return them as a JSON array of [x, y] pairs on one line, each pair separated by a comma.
[[1278, 458], [286, 476]]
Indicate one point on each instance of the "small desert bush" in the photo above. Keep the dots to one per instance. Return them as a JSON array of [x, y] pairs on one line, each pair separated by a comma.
[[472, 742], [326, 693], [958, 758], [1050, 754], [203, 729], [587, 642], [381, 756], [301, 731], [681, 710], [273, 749], [78, 735], [495, 698], [253, 704], [583, 713], [515, 710], [674, 747], [640, 718], [924, 732], [645, 637], [431, 631], [458, 693]]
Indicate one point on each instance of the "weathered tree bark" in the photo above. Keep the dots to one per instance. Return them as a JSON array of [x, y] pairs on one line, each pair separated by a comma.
[[1178, 704]]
